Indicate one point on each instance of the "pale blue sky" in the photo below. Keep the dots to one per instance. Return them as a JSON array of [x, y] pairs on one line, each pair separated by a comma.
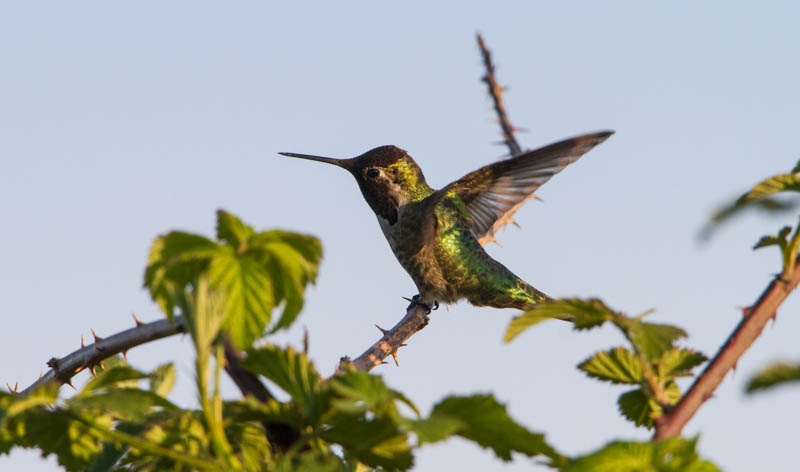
[[120, 122]]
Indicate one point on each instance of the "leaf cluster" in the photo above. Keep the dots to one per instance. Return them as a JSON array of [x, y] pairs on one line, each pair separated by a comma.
[[651, 364], [254, 271]]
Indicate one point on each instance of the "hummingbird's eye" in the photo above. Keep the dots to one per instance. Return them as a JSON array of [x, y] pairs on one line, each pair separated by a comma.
[[373, 173]]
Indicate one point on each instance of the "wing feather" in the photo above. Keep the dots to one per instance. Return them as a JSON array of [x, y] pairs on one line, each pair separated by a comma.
[[494, 192]]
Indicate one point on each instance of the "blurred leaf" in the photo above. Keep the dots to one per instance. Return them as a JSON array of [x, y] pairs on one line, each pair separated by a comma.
[[250, 442], [358, 390], [772, 185], [293, 260], [377, 443], [773, 375], [312, 462], [679, 362], [487, 423], [671, 455], [796, 168], [435, 428], [759, 197], [175, 260], [292, 372], [250, 409], [643, 410], [163, 379], [233, 231], [127, 404], [618, 365], [651, 339], [116, 376], [247, 295], [779, 240], [586, 314], [52, 431]]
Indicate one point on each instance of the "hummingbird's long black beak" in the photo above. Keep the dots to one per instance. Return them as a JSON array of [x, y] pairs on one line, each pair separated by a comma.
[[329, 160]]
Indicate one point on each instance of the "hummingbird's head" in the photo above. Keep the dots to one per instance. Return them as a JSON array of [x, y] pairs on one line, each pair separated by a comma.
[[387, 176]]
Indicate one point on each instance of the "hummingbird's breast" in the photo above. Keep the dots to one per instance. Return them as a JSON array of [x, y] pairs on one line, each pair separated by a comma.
[[411, 239]]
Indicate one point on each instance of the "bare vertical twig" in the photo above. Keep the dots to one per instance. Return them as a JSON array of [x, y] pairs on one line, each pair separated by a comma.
[[496, 92], [748, 329]]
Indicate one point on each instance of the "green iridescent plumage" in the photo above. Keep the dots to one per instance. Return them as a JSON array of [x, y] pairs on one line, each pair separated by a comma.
[[438, 236]]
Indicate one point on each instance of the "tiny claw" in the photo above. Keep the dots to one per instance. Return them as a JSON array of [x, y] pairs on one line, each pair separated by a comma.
[[83, 344], [384, 331], [136, 320], [69, 382], [100, 363], [125, 355], [96, 337], [93, 370]]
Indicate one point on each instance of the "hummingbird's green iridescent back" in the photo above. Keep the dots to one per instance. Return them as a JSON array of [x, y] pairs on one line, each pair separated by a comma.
[[438, 236]]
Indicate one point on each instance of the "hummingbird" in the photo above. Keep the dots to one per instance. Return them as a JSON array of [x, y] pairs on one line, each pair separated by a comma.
[[438, 235]]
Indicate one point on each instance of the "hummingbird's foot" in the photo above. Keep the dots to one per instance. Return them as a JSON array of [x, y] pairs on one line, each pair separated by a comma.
[[416, 301]]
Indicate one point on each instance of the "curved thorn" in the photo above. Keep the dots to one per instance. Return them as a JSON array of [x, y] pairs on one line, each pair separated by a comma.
[[96, 337], [136, 320], [384, 331], [69, 382]]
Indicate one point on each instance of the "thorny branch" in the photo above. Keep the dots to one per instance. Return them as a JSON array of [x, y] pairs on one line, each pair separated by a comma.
[[90, 356], [416, 318], [496, 92], [748, 329]]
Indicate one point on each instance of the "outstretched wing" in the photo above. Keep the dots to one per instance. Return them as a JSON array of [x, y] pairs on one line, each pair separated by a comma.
[[494, 192]]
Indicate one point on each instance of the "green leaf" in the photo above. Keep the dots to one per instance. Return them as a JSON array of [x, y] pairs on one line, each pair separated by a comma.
[[435, 428], [163, 379], [671, 455], [779, 240], [247, 295], [651, 339], [293, 260], [312, 462], [796, 168], [117, 376], [759, 197], [643, 410], [357, 390], [585, 314], [127, 404], [772, 185], [377, 442], [679, 362], [233, 231], [175, 260], [618, 365], [272, 411], [775, 374], [487, 423], [74, 444], [292, 372]]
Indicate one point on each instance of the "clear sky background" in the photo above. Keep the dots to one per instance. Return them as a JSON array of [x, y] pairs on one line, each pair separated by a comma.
[[121, 122]]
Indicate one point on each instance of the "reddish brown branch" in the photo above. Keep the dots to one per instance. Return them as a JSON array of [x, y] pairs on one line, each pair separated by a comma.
[[415, 319], [496, 92], [748, 329]]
